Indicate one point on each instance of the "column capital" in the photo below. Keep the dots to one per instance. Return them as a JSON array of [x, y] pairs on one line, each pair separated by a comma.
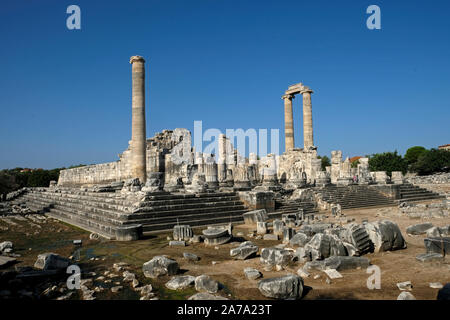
[[287, 96], [136, 59], [306, 90]]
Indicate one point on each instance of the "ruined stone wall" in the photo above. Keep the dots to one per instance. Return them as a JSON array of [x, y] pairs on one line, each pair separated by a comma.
[[157, 147], [94, 174]]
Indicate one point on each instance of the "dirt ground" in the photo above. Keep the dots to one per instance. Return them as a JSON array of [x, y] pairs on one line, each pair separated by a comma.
[[31, 239]]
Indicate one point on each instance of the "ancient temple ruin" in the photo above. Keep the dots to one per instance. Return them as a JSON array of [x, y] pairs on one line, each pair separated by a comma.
[[162, 181]]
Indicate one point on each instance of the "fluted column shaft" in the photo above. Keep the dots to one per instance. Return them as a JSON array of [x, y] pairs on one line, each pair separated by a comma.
[[308, 139], [138, 135], [288, 122]]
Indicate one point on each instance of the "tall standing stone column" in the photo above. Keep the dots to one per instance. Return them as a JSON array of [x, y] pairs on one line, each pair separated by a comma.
[[308, 140], [288, 122], [138, 136]]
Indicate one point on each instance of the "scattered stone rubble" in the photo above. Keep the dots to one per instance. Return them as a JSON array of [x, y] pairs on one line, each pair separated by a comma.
[[438, 178], [425, 211]]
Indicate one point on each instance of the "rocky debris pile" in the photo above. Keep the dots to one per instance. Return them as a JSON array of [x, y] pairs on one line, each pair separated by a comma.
[[338, 263], [15, 194], [437, 178], [322, 246], [286, 287], [245, 250], [160, 266], [111, 187], [47, 280], [437, 241], [20, 209], [425, 211], [5, 209], [274, 256], [130, 186], [154, 183]]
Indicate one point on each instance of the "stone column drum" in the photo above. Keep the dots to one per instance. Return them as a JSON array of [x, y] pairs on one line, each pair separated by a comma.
[[288, 122], [307, 118], [138, 135]]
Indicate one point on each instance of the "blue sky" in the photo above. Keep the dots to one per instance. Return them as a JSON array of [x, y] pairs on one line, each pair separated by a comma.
[[65, 95]]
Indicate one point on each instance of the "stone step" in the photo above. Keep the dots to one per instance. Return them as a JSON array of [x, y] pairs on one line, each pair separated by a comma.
[[150, 215], [420, 198], [103, 229], [164, 227], [188, 200], [174, 196], [186, 219], [105, 213], [185, 206], [90, 202]]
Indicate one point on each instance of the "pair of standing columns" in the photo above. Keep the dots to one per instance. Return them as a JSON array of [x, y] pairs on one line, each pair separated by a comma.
[[289, 121]]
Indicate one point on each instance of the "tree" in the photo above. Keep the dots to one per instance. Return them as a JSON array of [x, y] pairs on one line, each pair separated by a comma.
[[413, 154], [387, 161], [325, 162], [432, 161]]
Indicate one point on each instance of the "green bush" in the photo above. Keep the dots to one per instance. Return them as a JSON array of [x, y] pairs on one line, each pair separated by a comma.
[[432, 161], [325, 162], [387, 161], [413, 154]]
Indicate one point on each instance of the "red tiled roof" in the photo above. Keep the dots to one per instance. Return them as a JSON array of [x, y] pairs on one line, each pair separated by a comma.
[[355, 158]]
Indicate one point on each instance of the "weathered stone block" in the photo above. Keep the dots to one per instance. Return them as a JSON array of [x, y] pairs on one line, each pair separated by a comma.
[[261, 227], [275, 256], [180, 282], [438, 245], [51, 261], [287, 287], [420, 228], [160, 266], [245, 250], [385, 235], [255, 216], [129, 232], [204, 283]]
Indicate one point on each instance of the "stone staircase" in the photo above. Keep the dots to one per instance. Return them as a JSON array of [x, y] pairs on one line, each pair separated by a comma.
[[410, 192], [355, 196], [163, 212], [283, 206], [105, 212]]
